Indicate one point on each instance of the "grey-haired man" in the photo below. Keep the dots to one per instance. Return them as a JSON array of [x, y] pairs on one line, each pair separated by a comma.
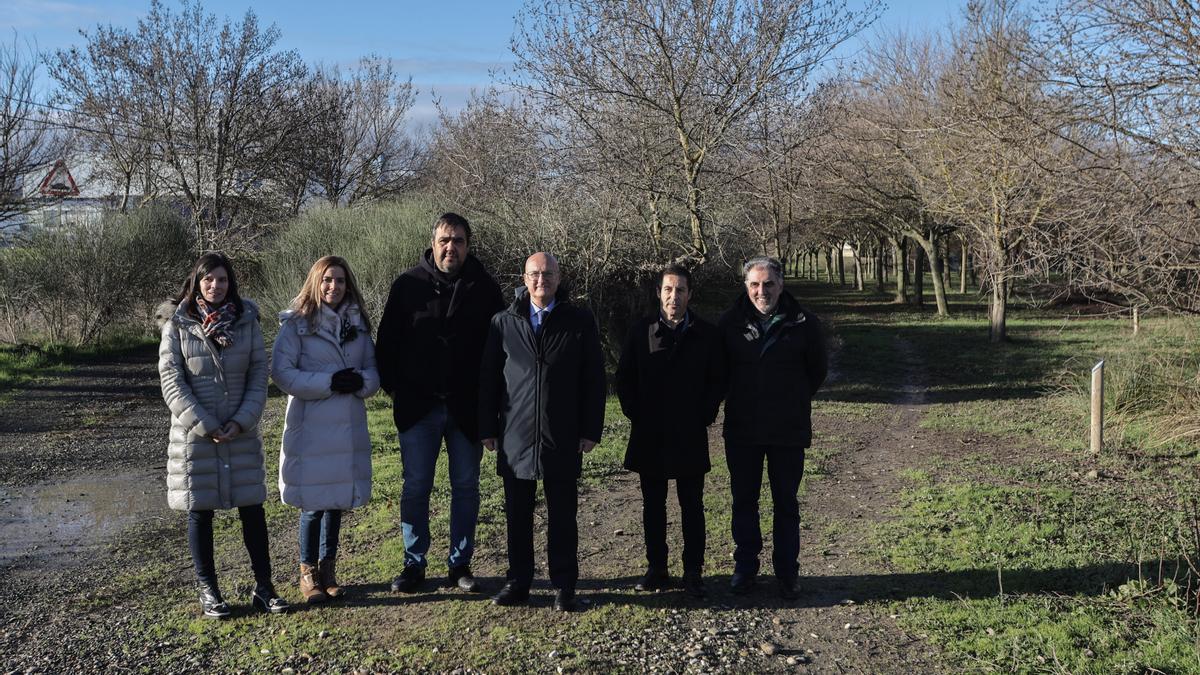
[[776, 359]]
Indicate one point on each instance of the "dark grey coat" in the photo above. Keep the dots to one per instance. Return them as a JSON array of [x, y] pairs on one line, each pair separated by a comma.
[[540, 395]]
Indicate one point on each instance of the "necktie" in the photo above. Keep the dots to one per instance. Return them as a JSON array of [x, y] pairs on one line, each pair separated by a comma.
[[539, 320]]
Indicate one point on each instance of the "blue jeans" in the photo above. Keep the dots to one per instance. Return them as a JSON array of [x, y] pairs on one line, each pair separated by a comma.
[[319, 528], [419, 448], [785, 468]]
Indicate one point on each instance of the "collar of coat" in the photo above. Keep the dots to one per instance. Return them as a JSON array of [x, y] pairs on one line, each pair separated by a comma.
[[178, 314], [520, 306], [328, 323]]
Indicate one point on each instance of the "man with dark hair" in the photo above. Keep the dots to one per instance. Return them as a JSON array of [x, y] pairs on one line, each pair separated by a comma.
[[669, 382], [429, 348], [776, 356], [541, 407]]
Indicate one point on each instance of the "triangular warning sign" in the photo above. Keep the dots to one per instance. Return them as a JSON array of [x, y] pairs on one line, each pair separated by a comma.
[[59, 182]]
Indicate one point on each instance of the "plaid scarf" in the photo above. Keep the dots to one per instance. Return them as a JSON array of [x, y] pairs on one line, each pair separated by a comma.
[[217, 323]]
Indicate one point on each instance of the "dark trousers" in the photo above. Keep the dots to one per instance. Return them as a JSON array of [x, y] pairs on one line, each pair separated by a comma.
[[319, 535], [254, 535], [562, 536], [785, 467], [690, 492]]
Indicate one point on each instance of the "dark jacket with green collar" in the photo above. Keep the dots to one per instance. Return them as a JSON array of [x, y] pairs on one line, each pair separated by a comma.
[[773, 374], [540, 394]]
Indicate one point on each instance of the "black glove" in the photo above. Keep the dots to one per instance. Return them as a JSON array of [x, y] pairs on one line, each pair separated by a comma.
[[346, 381]]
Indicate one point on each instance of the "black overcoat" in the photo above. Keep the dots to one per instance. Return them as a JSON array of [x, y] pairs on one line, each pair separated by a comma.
[[539, 395], [772, 377], [670, 393], [431, 339]]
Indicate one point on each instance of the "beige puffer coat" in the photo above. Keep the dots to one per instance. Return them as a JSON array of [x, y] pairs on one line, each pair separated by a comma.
[[205, 387], [325, 462]]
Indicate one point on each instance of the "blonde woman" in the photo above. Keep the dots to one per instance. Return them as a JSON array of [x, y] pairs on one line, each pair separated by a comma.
[[325, 362]]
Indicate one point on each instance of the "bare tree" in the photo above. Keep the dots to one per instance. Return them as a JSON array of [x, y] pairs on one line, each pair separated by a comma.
[[689, 70], [357, 148], [28, 140], [215, 101]]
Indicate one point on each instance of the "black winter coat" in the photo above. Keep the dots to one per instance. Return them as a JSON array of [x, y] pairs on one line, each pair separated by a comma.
[[539, 395], [772, 377], [431, 339], [670, 393]]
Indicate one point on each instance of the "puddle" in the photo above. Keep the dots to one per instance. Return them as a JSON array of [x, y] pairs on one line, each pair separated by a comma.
[[52, 521]]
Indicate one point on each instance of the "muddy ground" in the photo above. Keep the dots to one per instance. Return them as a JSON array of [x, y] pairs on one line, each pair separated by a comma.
[[81, 497]]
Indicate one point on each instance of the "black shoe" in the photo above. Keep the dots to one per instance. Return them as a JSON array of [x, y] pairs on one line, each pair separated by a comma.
[[653, 580], [789, 588], [461, 576], [410, 579], [265, 600], [564, 600], [512, 594], [693, 584], [211, 603], [742, 582]]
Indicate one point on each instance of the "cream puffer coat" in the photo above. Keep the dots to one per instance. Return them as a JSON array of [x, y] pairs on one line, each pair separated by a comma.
[[325, 461], [205, 387]]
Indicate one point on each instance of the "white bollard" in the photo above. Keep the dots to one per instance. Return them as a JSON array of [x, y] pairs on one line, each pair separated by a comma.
[[1097, 407]]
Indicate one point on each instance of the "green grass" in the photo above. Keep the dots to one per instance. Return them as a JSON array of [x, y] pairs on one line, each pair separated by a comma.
[[24, 363], [1006, 555], [1003, 553]]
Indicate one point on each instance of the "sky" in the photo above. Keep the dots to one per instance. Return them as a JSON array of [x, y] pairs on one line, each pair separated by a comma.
[[448, 47]]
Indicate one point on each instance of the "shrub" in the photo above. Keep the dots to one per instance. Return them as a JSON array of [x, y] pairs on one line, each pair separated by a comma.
[[70, 284], [379, 241]]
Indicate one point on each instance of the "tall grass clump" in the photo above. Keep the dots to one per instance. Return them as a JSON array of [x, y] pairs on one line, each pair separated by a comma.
[[379, 241], [1151, 391]]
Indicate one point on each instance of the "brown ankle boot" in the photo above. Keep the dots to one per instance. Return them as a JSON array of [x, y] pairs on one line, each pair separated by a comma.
[[310, 587], [328, 577]]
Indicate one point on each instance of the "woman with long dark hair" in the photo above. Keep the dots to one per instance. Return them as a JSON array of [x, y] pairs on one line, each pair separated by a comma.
[[324, 360], [213, 368]]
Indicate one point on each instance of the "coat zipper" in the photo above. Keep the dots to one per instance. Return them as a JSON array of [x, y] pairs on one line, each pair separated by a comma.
[[537, 395]]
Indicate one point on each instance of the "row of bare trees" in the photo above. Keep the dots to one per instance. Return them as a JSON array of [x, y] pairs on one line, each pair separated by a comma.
[[1056, 148]]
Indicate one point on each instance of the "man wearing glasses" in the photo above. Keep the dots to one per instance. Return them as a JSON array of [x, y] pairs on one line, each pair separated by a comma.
[[541, 407]]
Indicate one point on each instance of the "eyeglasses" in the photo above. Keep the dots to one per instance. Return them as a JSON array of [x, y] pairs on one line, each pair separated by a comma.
[[541, 275]]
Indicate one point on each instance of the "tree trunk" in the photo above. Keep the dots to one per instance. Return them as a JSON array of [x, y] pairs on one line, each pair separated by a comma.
[[996, 328], [829, 265], [963, 260], [858, 270], [880, 266], [919, 275], [841, 264], [899, 249], [937, 266]]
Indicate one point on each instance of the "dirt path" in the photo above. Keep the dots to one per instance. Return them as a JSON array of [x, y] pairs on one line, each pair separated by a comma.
[[104, 422]]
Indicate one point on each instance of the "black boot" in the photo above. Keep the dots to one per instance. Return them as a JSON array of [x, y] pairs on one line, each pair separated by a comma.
[[211, 603], [693, 584], [654, 580], [265, 600]]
